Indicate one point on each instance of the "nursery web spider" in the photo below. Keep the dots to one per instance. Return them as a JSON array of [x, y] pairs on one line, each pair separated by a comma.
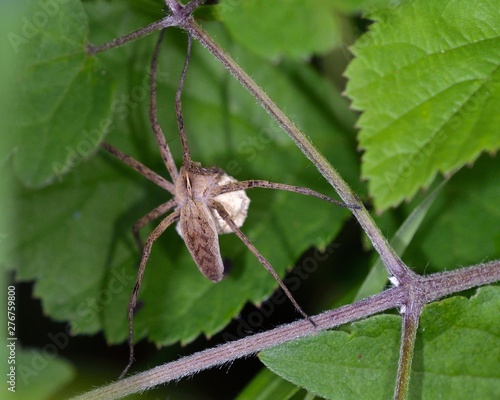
[[206, 202]]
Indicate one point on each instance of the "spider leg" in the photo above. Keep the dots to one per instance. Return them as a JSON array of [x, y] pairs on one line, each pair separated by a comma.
[[151, 216], [266, 264], [141, 168], [155, 234], [250, 184], [166, 154], [178, 107]]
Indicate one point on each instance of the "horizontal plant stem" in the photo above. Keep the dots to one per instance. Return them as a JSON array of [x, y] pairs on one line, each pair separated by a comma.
[[442, 284], [389, 257], [177, 17], [413, 295], [247, 346]]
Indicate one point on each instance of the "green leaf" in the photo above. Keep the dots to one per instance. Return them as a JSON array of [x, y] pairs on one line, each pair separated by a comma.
[[258, 24], [342, 365], [462, 226], [39, 374], [268, 386], [429, 100], [360, 5], [74, 237], [456, 354], [12, 12], [67, 243], [64, 97]]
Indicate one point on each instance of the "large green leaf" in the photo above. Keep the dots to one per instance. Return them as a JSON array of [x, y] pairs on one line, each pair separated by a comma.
[[62, 94], [430, 100], [456, 354], [74, 237]]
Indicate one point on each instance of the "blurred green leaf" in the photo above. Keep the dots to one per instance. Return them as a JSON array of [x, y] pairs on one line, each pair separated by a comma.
[[266, 386], [40, 374], [361, 5], [429, 100], [462, 226], [456, 354], [258, 24]]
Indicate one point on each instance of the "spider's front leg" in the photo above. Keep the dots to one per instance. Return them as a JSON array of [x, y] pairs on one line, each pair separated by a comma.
[[255, 183]]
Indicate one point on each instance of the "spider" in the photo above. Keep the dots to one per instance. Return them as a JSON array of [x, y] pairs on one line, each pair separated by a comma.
[[206, 202]]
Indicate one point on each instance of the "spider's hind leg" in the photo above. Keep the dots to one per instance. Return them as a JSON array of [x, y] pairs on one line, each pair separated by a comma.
[[266, 264]]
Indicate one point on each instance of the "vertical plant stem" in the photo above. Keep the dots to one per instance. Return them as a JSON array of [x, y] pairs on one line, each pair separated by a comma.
[[408, 337], [389, 257]]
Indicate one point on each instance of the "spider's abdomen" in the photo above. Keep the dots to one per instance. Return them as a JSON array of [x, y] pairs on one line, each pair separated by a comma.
[[200, 235]]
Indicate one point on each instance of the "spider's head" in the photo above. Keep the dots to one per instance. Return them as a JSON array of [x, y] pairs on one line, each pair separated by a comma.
[[194, 183]]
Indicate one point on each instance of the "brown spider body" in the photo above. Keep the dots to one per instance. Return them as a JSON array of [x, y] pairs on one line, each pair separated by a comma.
[[199, 226]]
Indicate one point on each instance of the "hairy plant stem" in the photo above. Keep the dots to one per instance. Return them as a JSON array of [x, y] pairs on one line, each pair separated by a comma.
[[415, 293], [163, 23], [411, 318], [247, 346], [177, 18]]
